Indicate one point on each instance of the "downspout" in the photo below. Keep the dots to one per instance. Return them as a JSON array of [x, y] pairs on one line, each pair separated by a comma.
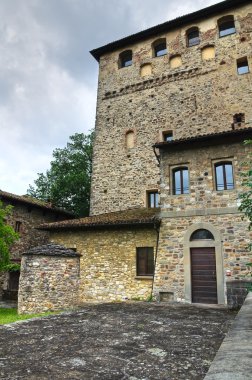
[[156, 227]]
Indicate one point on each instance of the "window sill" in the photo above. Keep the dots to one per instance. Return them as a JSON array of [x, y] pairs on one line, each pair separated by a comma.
[[143, 277]]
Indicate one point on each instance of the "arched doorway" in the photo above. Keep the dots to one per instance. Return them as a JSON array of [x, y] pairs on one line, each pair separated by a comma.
[[204, 280]]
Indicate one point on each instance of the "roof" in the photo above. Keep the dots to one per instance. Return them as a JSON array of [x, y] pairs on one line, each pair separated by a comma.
[[52, 250], [137, 216], [166, 26], [30, 201], [230, 136]]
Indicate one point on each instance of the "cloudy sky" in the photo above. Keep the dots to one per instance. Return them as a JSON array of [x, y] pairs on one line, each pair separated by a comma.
[[48, 79]]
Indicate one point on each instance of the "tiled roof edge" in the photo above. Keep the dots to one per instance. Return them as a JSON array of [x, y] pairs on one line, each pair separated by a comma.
[[160, 28]]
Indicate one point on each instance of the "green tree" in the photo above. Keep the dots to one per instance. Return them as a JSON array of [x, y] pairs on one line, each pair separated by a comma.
[[7, 237], [246, 196], [67, 183]]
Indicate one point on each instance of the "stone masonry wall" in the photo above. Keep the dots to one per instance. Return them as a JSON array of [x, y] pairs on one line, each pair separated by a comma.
[[199, 97], [48, 283], [202, 205], [108, 262]]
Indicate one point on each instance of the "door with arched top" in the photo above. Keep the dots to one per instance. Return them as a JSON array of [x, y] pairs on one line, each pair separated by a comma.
[[203, 275]]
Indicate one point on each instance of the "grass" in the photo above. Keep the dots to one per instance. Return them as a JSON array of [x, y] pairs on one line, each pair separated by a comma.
[[11, 315]]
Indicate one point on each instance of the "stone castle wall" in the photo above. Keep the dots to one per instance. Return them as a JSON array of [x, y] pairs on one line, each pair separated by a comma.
[[199, 97], [108, 262]]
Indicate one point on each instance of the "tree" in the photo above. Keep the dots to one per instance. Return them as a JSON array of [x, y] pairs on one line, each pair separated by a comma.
[[67, 183], [246, 196], [7, 237]]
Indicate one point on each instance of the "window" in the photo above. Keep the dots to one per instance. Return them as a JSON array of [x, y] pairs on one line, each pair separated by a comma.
[[201, 234], [125, 59], [18, 226], [152, 199], [226, 26], [145, 261], [167, 136], [239, 118], [224, 176], [208, 52], [130, 139], [175, 61], [180, 181], [145, 70], [242, 66], [159, 47], [193, 37]]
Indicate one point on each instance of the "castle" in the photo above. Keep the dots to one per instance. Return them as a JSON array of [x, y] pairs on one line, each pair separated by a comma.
[[173, 110]]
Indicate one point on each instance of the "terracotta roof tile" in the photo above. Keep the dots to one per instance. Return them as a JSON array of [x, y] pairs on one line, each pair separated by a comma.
[[26, 199], [138, 216]]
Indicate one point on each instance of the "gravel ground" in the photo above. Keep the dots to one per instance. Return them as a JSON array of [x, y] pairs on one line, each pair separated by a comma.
[[135, 341]]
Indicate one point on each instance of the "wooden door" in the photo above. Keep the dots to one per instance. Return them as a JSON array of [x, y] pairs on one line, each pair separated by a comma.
[[203, 275]]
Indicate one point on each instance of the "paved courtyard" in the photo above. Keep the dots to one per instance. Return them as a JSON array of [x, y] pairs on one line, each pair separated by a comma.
[[133, 341]]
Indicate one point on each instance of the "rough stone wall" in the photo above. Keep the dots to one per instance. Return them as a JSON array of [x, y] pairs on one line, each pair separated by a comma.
[[30, 217], [48, 283], [237, 292], [199, 97], [202, 205], [108, 262]]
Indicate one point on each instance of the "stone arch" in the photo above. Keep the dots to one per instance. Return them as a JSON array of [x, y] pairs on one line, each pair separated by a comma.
[[217, 244]]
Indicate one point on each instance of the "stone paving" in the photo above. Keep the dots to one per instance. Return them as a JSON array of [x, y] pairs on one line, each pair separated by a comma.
[[133, 341]]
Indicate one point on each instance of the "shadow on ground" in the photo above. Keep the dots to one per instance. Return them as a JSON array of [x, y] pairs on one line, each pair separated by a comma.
[[133, 341]]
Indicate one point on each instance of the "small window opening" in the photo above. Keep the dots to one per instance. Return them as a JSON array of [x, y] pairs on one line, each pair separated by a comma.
[[202, 234], [193, 37], [242, 66], [167, 136], [239, 118], [224, 176], [18, 226], [130, 139], [180, 181], [159, 48], [152, 199], [226, 26], [125, 59], [145, 261]]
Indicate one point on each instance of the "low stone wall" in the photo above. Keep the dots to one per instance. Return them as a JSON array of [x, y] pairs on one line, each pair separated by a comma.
[[49, 279], [237, 291]]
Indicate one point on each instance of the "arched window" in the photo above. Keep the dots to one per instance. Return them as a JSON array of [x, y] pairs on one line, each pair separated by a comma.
[[146, 69], [226, 26], [201, 234], [130, 139], [125, 59], [208, 52], [180, 181], [192, 35], [159, 47], [224, 179], [175, 61]]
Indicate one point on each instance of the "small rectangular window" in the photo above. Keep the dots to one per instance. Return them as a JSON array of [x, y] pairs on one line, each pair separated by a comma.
[[180, 181], [242, 66], [226, 28], [167, 136], [224, 176], [18, 226], [145, 261], [152, 199]]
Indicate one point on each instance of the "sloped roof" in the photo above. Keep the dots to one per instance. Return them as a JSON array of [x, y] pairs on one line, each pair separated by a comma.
[[137, 216], [30, 201], [207, 139], [166, 26], [52, 250]]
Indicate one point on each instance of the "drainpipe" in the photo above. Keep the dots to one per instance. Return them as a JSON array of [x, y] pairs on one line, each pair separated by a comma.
[[157, 228]]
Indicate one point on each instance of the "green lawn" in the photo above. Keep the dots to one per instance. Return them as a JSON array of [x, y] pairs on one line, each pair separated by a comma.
[[11, 315]]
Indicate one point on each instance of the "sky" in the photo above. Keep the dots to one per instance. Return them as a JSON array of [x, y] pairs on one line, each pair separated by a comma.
[[48, 79]]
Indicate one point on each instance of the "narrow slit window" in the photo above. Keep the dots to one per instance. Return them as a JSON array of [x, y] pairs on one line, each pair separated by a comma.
[[152, 198]]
